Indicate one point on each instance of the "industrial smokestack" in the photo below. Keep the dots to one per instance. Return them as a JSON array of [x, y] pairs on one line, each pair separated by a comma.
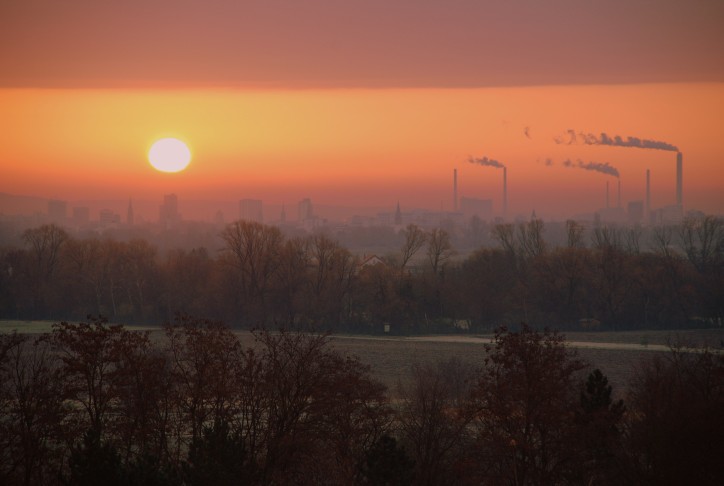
[[455, 190], [679, 179], [619, 193], [648, 195], [505, 191], [607, 205]]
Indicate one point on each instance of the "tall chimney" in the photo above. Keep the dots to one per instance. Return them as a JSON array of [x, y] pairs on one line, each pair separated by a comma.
[[505, 191], [455, 190], [679, 179], [619, 193], [647, 214], [607, 205]]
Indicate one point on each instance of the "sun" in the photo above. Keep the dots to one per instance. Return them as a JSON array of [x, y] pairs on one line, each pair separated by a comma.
[[169, 155]]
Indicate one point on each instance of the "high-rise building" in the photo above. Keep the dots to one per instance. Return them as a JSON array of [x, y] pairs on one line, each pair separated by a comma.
[[305, 210], [168, 212], [251, 210]]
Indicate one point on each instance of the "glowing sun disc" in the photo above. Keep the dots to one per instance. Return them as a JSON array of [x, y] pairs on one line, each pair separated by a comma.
[[169, 155]]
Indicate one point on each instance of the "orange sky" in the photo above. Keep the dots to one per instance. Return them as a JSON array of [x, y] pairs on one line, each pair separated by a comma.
[[361, 103], [363, 147]]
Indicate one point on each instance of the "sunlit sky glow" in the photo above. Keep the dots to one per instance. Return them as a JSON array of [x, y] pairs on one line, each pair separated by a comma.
[[362, 105]]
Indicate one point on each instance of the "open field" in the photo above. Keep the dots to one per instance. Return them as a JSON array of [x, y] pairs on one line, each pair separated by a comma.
[[617, 354], [391, 359]]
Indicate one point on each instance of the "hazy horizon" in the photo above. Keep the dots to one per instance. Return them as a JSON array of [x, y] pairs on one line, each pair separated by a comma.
[[360, 106]]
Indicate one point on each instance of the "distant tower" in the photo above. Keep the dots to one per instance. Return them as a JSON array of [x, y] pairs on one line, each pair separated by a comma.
[[398, 214], [455, 190], [607, 204], [168, 212], [505, 191], [129, 214], [647, 211], [619, 193], [679, 179], [283, 216]]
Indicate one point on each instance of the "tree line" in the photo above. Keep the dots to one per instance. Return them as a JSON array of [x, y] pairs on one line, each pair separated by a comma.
[[603, 276], [93, 403]]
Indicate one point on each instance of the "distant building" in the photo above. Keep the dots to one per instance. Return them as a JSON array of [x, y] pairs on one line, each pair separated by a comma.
[[305, 210], [635, 212], [371, 261], [482, 208], [168, 212], [283, 215], [251, 210], [668, 214], [57, 211], [108, 217]]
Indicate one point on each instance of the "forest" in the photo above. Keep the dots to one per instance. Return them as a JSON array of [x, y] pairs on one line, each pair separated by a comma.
[[95, 403], [603, 277]]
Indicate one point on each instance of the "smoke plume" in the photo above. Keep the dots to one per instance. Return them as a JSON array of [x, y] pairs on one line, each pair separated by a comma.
[[602, 167], [573, 138], [486, 161]]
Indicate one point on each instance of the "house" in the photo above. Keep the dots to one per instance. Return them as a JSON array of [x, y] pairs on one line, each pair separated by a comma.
[[370, 261]]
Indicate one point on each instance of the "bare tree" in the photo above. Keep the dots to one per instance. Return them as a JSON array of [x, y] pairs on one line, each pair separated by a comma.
[[505, 234], [415, 238], [703, 241], [203, 355], [31, 407], [530, 238], [89, 352], [439, 249], [574, 233], [606, 237], [44, 243], [525, 403], [632, 236], [292, 277], [663, 237], [254, 249], [434, 419], [675, 427]]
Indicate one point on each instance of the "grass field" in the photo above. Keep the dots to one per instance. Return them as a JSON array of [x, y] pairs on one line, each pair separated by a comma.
[[617, 354]]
